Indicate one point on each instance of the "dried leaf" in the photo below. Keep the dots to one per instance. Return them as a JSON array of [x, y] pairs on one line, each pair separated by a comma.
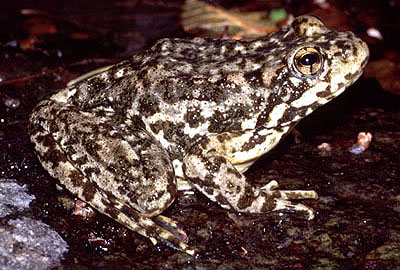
[[387, 73], [203, 19], [37, 27]]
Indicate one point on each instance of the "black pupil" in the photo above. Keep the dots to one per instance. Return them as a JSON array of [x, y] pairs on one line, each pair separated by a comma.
[[309, 59]]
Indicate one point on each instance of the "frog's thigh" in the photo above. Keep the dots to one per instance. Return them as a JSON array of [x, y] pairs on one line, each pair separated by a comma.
[[111, 152], [116, 167], [207, 167]]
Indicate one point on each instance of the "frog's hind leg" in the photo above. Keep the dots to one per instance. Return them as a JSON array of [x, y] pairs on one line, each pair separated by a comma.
[[112, 164], [209, 166]]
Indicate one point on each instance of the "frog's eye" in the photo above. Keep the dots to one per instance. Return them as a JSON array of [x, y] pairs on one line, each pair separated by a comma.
[[308, 61]]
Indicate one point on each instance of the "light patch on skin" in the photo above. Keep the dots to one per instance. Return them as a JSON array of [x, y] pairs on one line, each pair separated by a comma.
[[119, 73], [295, 81], [185, 68], [258, 150], [213, 71], [64, 95], [161, 138], [256, 45], [285, 98], [163, 116], [191, 132], [309, 97], [252, 66], [276, 115], [243, 167], [267, 76], [249, 123], [263, 132], [178, 168], [223, 49], [230, 68], [309, 31], [207, 113], [240, 48], [237, 78], [214, 78]]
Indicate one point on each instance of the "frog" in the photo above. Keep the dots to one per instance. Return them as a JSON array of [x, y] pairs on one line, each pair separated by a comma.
[[191, 114]]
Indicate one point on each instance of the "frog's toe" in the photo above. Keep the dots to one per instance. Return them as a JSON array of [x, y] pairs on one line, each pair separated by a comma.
[[283, 198], [171, 226], [272, 189], [163, 229], [272, 185], [281, 204], [297, 194]]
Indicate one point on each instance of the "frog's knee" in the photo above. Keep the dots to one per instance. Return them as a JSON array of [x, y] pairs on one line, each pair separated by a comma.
[[152, 200]]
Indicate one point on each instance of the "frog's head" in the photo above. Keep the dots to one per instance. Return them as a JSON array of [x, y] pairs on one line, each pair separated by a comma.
[[317, 65]]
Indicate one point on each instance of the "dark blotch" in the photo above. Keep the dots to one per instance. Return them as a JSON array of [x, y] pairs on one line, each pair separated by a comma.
[[247, 198], [91, 171], [148, 105], [326, 93], [193, 117], [253, 141], [76, 178], [89, 190], [254, 78]]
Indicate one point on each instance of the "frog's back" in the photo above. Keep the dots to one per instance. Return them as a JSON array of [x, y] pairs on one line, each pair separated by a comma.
[[182, 89], [199, 86]]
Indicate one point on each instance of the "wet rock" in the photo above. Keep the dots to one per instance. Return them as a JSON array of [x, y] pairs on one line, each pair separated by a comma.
[[30, 244], [13, 197], [25, 243]]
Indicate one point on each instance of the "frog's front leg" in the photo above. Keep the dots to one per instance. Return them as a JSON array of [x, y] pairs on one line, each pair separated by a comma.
[[110, 162], [210, 167]]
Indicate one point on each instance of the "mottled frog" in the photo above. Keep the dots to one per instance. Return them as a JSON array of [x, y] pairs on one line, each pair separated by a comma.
[[196, 112]]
